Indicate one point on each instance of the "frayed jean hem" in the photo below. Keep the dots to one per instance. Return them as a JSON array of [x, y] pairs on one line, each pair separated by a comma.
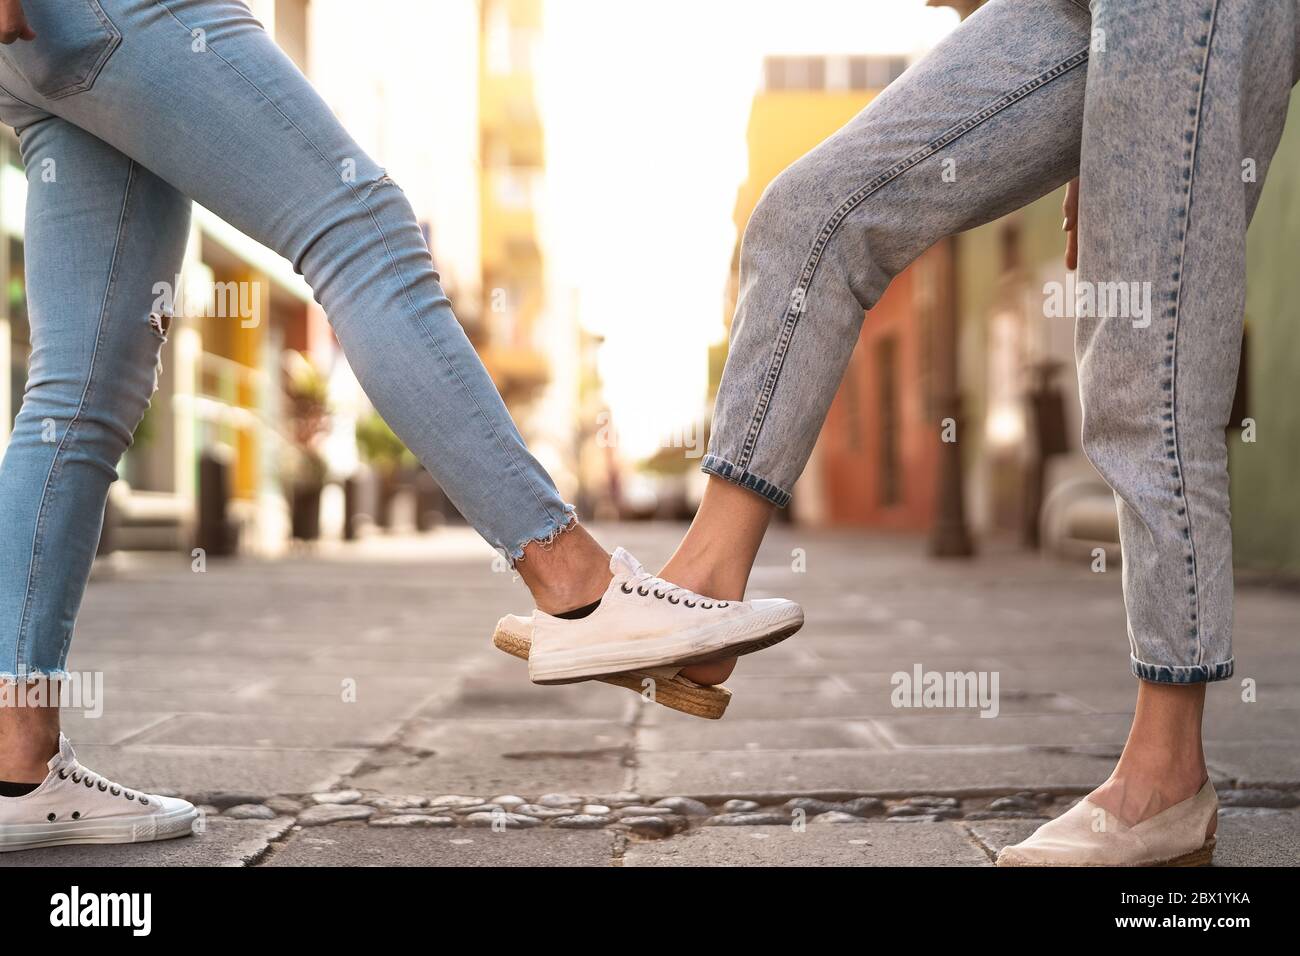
[[546, 537]]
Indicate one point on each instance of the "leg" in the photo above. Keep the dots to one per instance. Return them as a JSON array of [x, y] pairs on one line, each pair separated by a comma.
[[99, 228], [263, 151], [1164, 209], [998, 105], [237, 128]]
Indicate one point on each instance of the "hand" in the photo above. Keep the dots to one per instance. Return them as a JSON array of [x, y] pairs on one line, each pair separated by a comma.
[[13, 22], [1071, 225]]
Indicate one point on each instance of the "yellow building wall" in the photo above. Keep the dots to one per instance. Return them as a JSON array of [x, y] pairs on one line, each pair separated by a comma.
[[784, 125]]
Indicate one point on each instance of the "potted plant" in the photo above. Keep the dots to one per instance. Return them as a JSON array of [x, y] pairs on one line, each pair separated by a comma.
[[307, 401], [384, 452]]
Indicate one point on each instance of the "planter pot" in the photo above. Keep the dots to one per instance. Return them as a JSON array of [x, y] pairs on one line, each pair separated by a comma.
[[305, 512]]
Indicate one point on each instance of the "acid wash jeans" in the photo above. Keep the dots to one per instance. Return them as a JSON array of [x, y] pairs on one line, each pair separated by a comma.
[[1159, 106], [127, 110]]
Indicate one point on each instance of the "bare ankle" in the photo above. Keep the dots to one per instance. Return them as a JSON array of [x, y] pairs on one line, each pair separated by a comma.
[[24, 760], [568, 572], [29, 737], [705, 578]]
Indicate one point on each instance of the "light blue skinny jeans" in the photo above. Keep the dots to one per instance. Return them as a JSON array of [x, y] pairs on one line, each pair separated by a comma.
[[1169, 111], [126, 111]]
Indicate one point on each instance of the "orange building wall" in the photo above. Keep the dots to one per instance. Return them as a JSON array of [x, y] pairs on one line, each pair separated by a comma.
[[851, 440]]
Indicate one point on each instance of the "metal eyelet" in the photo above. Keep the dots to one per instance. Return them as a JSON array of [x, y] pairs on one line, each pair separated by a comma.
[[689, 603], [52, 817], [130, 796], [659, 596], [76, 779], [144, 802], [115, 791], [625, 588], [76, 814], [723, 604], [63, 775], [90, 784], [642, 591], [706, 606], [102, 786], [674, 600]]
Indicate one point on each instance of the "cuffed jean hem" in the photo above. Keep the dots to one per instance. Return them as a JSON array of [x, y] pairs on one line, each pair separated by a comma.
[[553, 529], [1190, 674], [721, 468]]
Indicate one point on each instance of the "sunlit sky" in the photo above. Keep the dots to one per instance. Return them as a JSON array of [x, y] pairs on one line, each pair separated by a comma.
[[645, 108]]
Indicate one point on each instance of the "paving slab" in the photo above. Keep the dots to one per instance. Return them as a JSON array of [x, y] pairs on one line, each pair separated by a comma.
[[360, 845], [508, 756], [336, 726], [1256, 764], [819, 844], [912, 771], [191, 769], [673, 732], [1005, 730]]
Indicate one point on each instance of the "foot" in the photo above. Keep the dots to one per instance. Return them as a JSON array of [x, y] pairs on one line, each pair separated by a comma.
[[663, 686], [1134, 798], [76, 805], [728, 585], [643, 621], [1090, 835]]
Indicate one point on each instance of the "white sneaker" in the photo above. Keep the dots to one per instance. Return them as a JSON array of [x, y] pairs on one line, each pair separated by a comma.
[[75, 805], [644, 622]]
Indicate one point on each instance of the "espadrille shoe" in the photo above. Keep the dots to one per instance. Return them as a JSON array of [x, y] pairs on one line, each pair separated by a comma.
[[1087, 835], [661, 685], [643, 622]]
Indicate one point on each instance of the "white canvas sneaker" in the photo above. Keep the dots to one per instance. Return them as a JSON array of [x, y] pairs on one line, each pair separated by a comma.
[[646, 622], [75, 805]]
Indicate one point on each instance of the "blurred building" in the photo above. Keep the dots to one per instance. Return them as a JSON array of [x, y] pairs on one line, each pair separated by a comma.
[[240, 306], [1025, 475], [462, 133], [512, 156], [875, 462], [1266, 508]]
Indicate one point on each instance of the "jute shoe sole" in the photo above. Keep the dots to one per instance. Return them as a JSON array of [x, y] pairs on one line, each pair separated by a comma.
[[676, 693], [1202, 857]]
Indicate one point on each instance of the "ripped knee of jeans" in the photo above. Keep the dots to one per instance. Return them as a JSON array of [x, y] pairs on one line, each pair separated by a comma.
[[370, 186], [161, 323]]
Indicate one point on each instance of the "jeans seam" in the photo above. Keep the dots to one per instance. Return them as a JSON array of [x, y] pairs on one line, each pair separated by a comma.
[[798, 297], [388, 253], [47, 489], [1195, 132]]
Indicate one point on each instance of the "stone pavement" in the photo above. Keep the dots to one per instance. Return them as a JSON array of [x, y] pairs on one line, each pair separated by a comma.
[[345, 707]]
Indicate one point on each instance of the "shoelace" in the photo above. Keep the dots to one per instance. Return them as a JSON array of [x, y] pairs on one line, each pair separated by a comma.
[[646, 584], [90, 779]]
